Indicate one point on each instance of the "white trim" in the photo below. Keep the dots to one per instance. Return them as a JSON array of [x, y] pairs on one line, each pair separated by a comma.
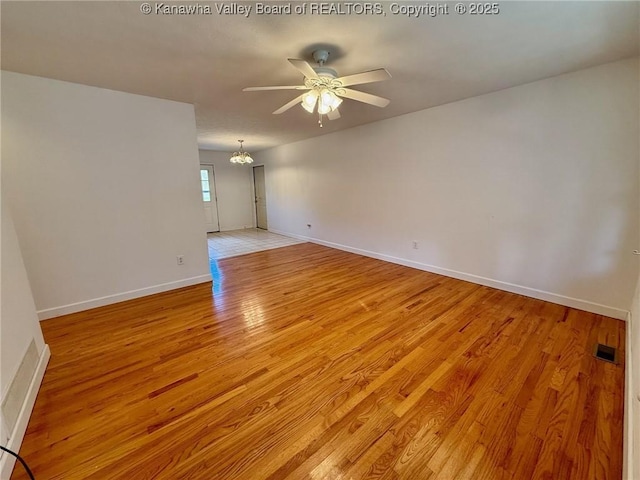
[[235, 227], [120, 297], [627, 451], [15, 440], [489, 282]]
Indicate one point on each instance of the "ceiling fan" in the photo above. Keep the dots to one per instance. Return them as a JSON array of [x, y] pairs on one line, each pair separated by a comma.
[[325, 88]]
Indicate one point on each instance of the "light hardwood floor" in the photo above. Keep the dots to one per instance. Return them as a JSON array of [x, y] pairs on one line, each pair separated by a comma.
[[310, 362]]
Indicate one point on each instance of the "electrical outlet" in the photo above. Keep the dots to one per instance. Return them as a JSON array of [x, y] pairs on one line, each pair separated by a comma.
[[180, 259], [415, 245]]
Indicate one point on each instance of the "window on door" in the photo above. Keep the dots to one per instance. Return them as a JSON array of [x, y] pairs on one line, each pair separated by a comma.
[[206, 186]]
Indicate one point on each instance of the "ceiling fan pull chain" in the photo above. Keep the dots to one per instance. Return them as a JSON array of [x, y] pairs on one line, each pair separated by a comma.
[[320, 119]]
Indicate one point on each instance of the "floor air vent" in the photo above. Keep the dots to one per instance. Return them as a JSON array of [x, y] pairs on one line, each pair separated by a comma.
[[606, 353]]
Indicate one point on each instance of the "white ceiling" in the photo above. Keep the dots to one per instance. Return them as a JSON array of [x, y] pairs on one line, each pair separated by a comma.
[[207, 59]]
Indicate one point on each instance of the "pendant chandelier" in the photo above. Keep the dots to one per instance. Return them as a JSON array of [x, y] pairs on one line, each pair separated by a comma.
[[241, 156]]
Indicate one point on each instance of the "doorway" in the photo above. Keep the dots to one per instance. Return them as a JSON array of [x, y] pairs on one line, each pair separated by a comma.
[[209, 199], [260, 197]]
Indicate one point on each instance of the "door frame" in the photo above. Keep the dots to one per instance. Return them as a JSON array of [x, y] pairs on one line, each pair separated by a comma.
[[215, 191], [253, 185]]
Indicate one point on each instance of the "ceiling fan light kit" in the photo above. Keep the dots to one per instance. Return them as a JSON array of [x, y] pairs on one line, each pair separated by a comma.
[[241, 157], [326, 89], [326, 100]]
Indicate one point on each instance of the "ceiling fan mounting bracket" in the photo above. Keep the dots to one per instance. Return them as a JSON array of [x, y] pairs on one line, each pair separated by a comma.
[[321, 56]]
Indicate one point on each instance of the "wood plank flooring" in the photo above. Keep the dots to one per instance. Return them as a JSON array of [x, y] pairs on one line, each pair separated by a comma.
[[309, 362]]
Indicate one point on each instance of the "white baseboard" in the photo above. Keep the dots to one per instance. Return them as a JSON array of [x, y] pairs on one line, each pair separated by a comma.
[[7, 461], [235, 227], [120, 297], [489, 282]]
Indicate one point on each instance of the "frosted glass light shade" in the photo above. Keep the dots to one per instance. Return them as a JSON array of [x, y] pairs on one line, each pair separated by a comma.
[[328, 102], [325, 99], [309, 100], [241, 157]]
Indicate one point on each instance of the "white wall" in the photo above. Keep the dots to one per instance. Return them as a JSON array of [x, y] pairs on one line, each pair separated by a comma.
[[234, 189], [533, 189], [18, 328], [104, 191]]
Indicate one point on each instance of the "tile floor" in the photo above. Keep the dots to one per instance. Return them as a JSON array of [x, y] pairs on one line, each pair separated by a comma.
[[248, 240]]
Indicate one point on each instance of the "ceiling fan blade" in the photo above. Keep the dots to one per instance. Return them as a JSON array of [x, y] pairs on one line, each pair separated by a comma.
[[303, 67], [289, 105], [333, 115], [363, 97], [377, 75], [280, 87]]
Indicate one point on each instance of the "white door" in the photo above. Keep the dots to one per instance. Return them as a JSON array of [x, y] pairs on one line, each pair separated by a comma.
[[209, 198], [261, 197]]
